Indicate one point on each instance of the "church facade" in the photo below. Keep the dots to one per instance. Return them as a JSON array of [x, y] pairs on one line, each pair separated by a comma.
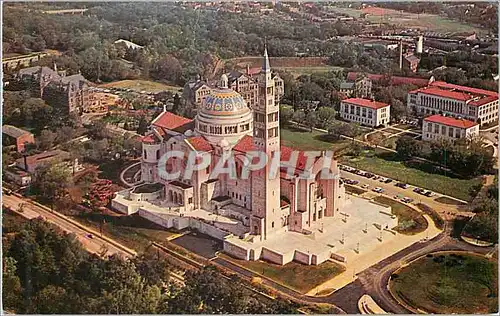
[[261, 205]]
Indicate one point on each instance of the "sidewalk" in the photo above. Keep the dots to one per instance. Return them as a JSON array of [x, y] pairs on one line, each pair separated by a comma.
[[358, 263]]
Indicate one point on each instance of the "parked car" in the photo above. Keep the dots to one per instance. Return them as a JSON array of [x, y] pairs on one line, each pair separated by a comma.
[[419, 190], [382, 179], [429, 193], [361, 173], [388, 180], [90, 236], [369, 175], [376, 177], [365, 186], [402, 185], [378, 190], [407, 200]]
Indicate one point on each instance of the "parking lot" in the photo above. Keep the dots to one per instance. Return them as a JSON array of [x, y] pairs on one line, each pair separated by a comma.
[[381, 185]]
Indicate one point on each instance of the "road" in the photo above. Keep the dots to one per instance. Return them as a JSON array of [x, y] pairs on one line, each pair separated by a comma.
[[94, 245], [374, 280]]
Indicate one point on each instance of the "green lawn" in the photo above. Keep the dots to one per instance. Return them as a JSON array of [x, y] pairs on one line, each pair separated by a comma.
[[296, 275], [449, 284], [304, 140], [141, 85], [447, 200], [353, 189], [410, 222], [133, 231], [413, 172]]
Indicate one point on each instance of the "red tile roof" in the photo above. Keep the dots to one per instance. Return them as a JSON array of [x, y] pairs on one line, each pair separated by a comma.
[[199, 143], [172, 122], [484, 100], [246, 144], [150, 139], [455, 95], [450, 121], [366, 103], [446, 85]]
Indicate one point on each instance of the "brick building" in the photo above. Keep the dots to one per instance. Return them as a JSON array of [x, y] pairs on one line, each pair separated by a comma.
[[69, 93], [16, 136]]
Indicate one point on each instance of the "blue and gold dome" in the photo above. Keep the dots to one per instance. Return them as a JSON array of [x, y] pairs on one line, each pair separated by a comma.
[[223, 101]]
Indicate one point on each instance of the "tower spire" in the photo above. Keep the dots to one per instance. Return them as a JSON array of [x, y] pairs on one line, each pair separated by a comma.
[[265, 65]]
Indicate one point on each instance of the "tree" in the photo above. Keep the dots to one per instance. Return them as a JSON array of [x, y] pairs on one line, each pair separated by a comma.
[[11, 285], [325, 116], [310, 120], [398, 110], [51, 181], [299, 116], [168, 68], [286, 114], [46, 140], [143, 125], [352, 130], [98, 130], [375, 139], [177, 104], [407, 147]]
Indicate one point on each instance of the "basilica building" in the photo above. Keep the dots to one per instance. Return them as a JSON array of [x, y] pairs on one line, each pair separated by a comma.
[[246, 213]]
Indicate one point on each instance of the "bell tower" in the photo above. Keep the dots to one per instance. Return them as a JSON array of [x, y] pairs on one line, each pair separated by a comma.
[[266, 209]]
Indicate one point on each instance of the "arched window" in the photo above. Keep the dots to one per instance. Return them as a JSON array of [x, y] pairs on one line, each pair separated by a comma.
[[272, 225]]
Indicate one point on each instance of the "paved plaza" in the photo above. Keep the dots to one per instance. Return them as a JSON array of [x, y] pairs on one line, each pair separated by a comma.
[[357, 228]]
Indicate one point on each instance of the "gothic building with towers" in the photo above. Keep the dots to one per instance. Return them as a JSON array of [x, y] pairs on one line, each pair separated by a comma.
[[247, 213]]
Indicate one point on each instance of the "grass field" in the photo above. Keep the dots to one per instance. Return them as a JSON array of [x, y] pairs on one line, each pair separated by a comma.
[[133, 231], [410, 222], [353, 189], [296, 275], [141, 85], [304, 140], [409, 20], [414, 172], [449, 284], [447, 200]]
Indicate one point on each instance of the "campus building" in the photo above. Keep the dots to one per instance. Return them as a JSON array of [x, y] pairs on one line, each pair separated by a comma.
[[253, 215], [69, 93], [245, 83], [461, 102], [15, 136], [360, 87], [366, 112], [437, 127]]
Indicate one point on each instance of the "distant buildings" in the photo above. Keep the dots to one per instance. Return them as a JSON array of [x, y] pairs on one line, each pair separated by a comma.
[[246, 84], [69, 93], [410, 62], [439, 97], [360, 87], [365, 112], [15, 136], [391, 80], [24, 167], [437, 127]]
